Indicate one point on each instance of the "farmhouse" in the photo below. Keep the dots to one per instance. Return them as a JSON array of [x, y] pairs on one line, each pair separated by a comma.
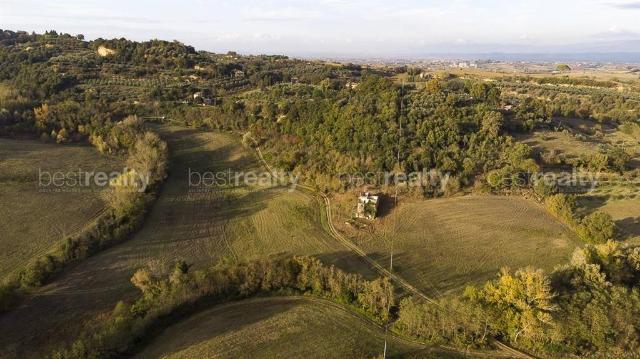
[[367, 206], [199, 98]]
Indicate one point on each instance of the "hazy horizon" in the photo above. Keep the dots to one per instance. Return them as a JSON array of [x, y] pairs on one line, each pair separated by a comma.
[[348, 28]]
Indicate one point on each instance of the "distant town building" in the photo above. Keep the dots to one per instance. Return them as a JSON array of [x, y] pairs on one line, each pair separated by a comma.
[[367, 207]]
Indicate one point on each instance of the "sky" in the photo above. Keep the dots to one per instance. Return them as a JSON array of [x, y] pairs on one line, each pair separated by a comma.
[[345, 27]]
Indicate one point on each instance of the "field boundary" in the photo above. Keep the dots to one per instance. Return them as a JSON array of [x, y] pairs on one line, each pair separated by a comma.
[[43, 252]]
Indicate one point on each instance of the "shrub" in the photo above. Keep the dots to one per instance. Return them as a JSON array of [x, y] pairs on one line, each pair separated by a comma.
[[598, 227], [562, 206]]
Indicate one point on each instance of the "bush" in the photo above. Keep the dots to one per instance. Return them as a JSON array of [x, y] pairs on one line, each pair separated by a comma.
[[598, 227], [562, 206]]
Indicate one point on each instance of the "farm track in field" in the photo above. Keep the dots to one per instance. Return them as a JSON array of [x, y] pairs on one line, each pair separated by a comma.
[[201, 227], [373, 263]]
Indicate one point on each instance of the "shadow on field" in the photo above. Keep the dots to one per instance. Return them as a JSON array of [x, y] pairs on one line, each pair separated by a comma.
[[387, 204], [215, 160], [230, 317], [629, 227], [348, 262], [591, 204]]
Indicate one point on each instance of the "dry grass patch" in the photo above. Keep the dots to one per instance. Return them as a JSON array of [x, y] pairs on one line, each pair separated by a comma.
[[274, 328], [33, 217], [442, 245]]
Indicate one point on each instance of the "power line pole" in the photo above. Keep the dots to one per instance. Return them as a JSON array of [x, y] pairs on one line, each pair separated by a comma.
[[384, 353], [399, 167], [395, 215]]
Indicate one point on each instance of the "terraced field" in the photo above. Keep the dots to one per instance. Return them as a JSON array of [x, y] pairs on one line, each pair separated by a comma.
[[199, 224], [442, 245], [36, 214], [275, 328]]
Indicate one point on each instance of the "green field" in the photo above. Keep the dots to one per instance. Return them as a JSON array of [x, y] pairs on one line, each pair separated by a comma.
[[35, 215], [200, 226], [274, 328], [442, 245]]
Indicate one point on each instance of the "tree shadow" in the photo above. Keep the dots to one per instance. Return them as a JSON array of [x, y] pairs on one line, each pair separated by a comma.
[[386, 206], [628, 227], [219, 318], [348, 262], [590, 204]]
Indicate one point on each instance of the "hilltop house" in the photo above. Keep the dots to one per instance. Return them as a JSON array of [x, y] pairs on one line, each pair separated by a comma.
[[367, 207], [199, 98]]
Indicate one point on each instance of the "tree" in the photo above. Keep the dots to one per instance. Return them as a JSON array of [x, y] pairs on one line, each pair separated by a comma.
[[126, 192], [598, 227], [492, 123], [62, 136], [563, 68], [562, 206], [522, 304], [618, 159]]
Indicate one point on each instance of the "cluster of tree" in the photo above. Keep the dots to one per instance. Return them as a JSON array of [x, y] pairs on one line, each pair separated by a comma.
[[574, 81], [167, 295], [611, 159], [8, 37], [602, 104], [596, 227], [515, 174], [128, 198], [161, 53], [49, 63], [321, 131], [588, 307]]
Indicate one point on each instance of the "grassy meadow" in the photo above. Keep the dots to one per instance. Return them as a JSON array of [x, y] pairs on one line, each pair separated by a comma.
[[442, 245], [35, 217], [274, 328], [199, 225]]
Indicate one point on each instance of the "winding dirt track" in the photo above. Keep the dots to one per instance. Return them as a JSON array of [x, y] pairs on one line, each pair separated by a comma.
[[375, 265]]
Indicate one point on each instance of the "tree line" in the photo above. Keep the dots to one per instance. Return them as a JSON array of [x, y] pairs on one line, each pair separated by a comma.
[[167, 296], [127, 202], [588, 307]]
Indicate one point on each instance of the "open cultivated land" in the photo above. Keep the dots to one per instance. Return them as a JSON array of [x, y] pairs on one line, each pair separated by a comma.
[[275, 328], [199, 225], [442, 245], [34, 214]]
